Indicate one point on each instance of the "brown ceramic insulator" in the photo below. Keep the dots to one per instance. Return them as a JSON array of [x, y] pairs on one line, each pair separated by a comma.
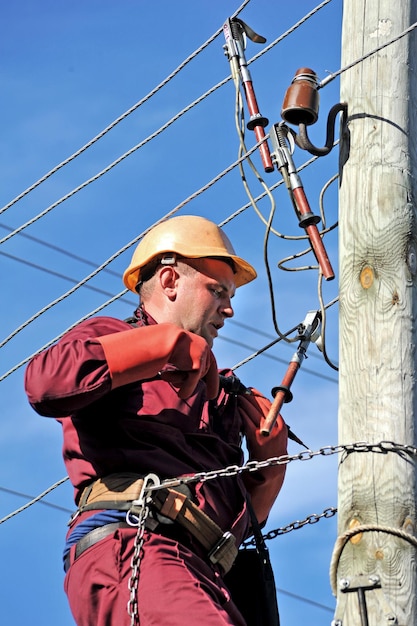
[[301, 100]]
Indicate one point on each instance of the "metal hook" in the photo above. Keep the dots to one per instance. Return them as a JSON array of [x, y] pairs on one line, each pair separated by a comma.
[[249, 31]]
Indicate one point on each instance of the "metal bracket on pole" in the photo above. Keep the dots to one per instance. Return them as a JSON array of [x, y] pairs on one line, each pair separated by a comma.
[[235, 33], [307, 220], [361, 584], [308, 331]]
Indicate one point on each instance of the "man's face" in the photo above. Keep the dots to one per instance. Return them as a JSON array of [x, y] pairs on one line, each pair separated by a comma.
[[204, 297]]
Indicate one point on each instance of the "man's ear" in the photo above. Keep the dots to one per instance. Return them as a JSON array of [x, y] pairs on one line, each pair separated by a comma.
[[168, 279]]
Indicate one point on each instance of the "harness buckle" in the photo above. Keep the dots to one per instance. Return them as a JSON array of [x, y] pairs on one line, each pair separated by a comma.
[[225, 543]]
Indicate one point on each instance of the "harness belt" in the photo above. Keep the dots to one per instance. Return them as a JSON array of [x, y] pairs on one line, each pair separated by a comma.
[[118, 491], [91, 538]]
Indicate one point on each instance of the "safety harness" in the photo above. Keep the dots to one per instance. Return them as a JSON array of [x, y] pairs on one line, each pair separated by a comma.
[[120, 491]]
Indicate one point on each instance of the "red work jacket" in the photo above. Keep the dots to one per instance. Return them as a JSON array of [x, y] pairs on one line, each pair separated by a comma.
[[142, 426]]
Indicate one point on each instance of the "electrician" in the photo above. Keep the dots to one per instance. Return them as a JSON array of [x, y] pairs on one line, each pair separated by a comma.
[[142, 396]]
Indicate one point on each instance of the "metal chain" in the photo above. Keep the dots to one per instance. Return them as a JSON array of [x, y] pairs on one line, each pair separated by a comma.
[[137, 516], [310, 519], [132, 605], [383, 447]]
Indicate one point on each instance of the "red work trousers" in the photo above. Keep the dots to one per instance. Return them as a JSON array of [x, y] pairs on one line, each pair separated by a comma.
[[176, 587]]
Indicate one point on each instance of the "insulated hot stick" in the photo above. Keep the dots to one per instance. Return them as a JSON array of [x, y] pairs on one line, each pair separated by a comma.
[[308, 331], [235, 32], [307, 219]]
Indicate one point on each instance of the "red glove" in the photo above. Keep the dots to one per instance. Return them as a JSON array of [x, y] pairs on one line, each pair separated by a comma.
[[190, 360], [264, 484], [181, 357], [254, 408]]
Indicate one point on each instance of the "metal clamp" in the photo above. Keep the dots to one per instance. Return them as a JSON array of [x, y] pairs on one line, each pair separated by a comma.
[[306, 218], [361, 584], [308, 331], [235, 33], [224, 543]]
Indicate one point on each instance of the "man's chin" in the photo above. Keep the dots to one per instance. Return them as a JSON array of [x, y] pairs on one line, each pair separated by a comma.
[[209, 338]]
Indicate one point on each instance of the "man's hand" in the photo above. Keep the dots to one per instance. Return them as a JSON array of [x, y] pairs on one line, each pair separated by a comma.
[[254, 407], [191, 360], [264, 484]]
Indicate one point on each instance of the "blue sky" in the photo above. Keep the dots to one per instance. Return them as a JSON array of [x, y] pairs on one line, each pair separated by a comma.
[[68, 71]]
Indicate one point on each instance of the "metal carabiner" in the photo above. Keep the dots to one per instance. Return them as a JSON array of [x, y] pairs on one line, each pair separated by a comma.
[[139, 508]]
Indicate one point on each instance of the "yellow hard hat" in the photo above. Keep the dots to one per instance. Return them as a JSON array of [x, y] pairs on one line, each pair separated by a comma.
[[189, 236]]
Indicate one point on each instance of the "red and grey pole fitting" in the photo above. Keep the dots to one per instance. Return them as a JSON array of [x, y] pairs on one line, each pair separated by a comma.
[[308, 331], [306, 217], [235, 32]]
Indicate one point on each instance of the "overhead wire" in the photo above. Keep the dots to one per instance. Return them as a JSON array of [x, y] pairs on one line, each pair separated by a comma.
[[361, 59], [154, 134], [262, 333], [104, 265], [51, 246], [126, 247], [263, 351], [94, 312], [34, 499], [320, 279], [233, 322], [296, 596], [116, 274], [65, 252], [108, 168], [52, 341], [182, 65], [56, 274], [288, 32], [123, 116], [121, 251]]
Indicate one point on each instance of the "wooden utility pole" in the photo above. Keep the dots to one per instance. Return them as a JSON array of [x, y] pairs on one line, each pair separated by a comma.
[[378, 315]]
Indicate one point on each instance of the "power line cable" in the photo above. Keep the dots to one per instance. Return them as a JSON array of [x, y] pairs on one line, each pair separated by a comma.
[[126, 247], [282, 591], [331, 77], [34, 499], [37, 499], [130, 303], [52, 246], [52, 341], [150, 137], [262, 333], [119, 252], [141, 235], [289, 31], [100, 308], [121, 117], [232, 341], [59, 275], [103, 171], [92, 274], [306, 600], [269, 356]]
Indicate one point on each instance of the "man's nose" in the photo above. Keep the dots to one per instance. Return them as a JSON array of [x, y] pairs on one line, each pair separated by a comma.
[[227, 310]]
